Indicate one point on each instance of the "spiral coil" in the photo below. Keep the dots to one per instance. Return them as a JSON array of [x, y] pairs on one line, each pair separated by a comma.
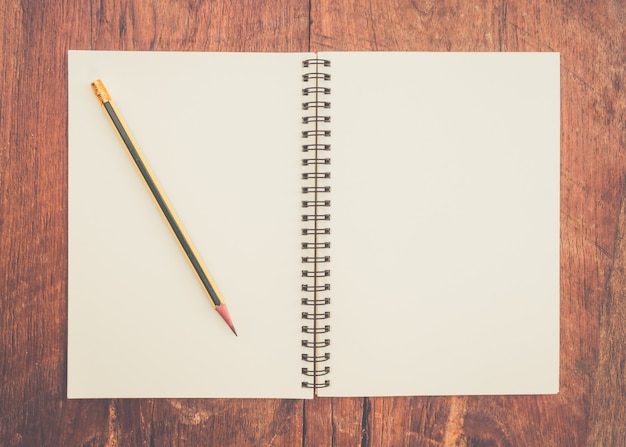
[[315, 217]]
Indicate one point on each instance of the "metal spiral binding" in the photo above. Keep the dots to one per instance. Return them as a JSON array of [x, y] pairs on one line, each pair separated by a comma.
[[315, 217]]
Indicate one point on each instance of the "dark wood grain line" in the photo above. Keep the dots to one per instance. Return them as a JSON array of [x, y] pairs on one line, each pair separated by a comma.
[[333, 424], [309, 24], [366, 423], [304, 424]]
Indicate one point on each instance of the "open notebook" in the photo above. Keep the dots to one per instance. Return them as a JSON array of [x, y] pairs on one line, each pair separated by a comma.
[[393, 216]]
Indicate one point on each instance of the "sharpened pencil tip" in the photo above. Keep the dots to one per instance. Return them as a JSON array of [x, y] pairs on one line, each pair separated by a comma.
[[223, 311]]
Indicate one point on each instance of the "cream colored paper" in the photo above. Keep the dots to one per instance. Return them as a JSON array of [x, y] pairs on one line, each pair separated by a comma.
[[219, 132], [445, 221]]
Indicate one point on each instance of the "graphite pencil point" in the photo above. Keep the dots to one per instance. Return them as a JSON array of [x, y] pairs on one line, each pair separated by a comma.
[[223, 311]]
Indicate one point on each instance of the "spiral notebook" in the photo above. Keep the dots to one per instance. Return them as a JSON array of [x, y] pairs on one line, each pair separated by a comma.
[[379, 224]]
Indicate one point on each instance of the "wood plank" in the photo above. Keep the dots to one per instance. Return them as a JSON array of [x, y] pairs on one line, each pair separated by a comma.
[[608, 409], [33, 218]]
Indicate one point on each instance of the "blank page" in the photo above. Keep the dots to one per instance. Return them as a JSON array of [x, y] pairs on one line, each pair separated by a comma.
[[445, 224]]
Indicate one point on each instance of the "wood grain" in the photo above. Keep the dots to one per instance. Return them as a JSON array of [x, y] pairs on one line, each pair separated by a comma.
[[608, 409], [36, 35]]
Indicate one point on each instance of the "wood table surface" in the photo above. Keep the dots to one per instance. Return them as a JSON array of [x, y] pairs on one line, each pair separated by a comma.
[[36, 34]]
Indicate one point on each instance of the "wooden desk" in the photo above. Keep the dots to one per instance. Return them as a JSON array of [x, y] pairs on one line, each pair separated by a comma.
[[33, 221]]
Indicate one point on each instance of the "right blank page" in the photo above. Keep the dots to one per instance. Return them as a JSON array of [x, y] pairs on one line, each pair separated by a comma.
[[445, 223]]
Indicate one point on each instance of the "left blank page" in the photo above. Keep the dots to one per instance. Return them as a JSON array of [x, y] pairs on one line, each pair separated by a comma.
[[220, 132]]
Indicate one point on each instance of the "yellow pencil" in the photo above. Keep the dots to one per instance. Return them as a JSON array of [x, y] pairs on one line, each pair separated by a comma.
[[168, 212]]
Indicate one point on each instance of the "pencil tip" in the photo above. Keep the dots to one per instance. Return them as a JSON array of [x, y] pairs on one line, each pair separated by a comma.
[[223, 311]]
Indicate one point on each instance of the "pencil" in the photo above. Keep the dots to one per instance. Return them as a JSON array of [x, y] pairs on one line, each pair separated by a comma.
[[168, 212]]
